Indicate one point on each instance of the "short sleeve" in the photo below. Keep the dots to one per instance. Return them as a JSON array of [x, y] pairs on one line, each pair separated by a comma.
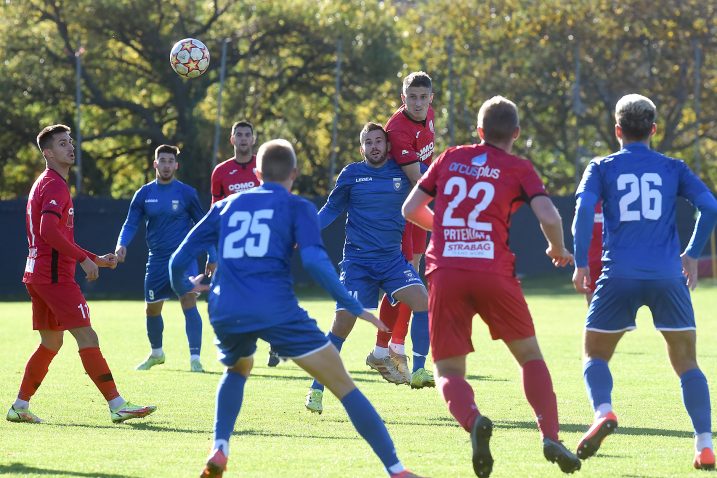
[[306, 224], [530, 182], [429, 181], [402, 149]]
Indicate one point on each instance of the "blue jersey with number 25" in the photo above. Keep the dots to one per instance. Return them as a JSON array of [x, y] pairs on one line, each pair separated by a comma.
[[639, 188], [255, 233]]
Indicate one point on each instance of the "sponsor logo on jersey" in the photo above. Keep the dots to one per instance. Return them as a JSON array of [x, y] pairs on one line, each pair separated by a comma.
[[397, 184], [175, 204], [363, 180], [404, 152], [464, 234], [409, 274], [475, 171], [233, 171], [469, 250], [418, 133], [151, 200], [426, 152], [479, 160], [53, 202], [238, 187]]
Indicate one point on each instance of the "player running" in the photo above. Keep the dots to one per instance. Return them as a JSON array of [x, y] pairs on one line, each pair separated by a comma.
[[471, 270], [251, 297], [372, 192], [642, 265], [169, 209], [57, 301], [411, 134]]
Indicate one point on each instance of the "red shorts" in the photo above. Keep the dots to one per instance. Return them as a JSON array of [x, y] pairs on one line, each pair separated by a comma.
[[58, 306], [414, 241], [455, 296], [595, 271]]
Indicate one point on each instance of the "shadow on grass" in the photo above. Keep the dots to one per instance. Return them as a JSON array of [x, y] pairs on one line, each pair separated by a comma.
[[283, 434], [146, 426], [582, 428], [22, 470]]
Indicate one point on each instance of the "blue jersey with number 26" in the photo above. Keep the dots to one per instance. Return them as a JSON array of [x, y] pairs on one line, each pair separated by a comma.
[[639, 188], [255, 233]]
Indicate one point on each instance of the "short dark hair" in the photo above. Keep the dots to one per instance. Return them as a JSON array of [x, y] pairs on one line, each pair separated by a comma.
[[166, 148], [498, 117], [635, 114], [276, 159], [418, 79], [44, 137], [372, 126], [242, 124]]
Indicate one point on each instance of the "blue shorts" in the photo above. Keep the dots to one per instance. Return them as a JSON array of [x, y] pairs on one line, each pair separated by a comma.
[[616, 300], [157, 286], [294, 339], [363, 279]]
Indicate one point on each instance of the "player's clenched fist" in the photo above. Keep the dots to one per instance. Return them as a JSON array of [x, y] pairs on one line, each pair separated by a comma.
[[121, 253], [107, 260]]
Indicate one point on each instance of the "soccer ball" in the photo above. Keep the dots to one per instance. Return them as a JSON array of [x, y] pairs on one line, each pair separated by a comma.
[[189, 58]]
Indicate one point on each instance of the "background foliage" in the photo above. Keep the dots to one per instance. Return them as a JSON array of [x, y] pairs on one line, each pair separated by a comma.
[[565, 64]]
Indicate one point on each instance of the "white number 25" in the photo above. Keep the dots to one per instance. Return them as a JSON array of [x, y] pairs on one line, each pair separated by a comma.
[[257, 242]]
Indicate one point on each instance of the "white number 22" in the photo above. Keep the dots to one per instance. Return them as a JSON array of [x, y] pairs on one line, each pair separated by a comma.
[[252, 225], [462, 185], [642, 188]]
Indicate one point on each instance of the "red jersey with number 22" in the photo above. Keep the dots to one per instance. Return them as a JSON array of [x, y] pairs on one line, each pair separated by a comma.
[[476, 188], [45, 265]]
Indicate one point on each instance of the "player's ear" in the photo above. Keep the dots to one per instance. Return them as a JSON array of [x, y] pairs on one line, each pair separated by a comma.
[[430, 100], [154, 164], [618, 132], [516, 133], [231, 139], [294, 174], [403, 98], [253, 139], [653, 129], [259, 176], [481, 133]]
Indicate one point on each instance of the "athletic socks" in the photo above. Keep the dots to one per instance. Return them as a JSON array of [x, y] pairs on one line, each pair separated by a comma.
[[538, 388], [459, 397], [155, 327], [696, 397], [388, 314], [400, 328], [35, 371], [193, 327], [380, 352], [230, 394], [370, 426], [420, 339], [399, 349], [598, 382], [98, 370], [338, 343]]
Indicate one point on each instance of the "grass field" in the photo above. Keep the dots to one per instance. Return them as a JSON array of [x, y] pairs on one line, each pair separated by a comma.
[[276, 437]]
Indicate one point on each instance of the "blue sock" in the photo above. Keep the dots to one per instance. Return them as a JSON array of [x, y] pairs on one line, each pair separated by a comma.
[[696, 397], [193, 327], [419, 339], [370, 426], [598, 381], [230, 393], [155, 327], [338, 343]]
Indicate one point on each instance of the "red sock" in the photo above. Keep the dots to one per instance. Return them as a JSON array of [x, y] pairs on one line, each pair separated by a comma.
[[98, 370], [387, 313], [458, 394], [539, 391], [35, 371], [400, 330]]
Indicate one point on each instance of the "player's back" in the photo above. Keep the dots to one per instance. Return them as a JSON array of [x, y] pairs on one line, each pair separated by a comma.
[[639, 188], [477, 189], [258, 230]]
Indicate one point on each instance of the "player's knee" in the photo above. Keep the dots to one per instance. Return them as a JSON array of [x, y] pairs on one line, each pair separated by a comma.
[[187, 301], [243, 366], [53, 343]]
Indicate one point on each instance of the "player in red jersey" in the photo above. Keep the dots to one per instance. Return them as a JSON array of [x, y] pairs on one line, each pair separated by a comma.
[[57, 301], [470, 269], [237, 173], [595, 252], [411, 134]]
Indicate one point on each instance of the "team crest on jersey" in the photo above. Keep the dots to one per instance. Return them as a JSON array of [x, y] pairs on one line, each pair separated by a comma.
[[175, 204], [396, 184], [71, 217], [430, 126], [479, 160]]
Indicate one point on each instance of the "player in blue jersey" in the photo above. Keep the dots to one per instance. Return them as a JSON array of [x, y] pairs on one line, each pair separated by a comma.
[[642, 265], [251, 297], [372, 192], [169, 209]]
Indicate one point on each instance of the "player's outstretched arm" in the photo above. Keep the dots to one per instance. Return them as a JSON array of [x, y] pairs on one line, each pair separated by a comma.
[[552, 226], [200, 238], [415, 209]]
